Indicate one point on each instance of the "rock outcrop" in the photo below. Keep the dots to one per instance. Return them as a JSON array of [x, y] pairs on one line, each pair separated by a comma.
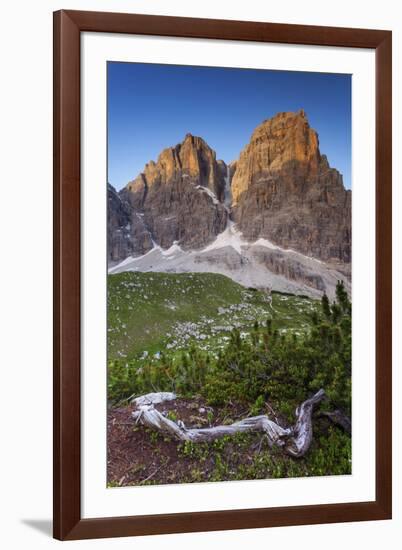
[[283, 189], [126, 231]]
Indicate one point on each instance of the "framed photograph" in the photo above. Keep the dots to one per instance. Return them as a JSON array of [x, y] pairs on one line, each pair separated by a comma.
[[222, 270]]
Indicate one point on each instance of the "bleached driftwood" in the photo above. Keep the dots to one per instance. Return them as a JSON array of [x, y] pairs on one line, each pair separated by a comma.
[[294, 441], [153, 398]]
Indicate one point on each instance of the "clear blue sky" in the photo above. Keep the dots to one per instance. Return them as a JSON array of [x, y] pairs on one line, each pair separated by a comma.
[[151, 107]]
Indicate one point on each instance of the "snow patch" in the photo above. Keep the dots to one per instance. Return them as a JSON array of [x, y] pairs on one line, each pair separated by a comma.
[[208, 192], [229, 237]]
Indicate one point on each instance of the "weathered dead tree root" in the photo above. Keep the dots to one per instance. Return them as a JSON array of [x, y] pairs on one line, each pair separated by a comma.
[[294, 441]]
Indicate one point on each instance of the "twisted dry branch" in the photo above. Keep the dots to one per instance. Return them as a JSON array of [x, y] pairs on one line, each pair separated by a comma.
[[294, 441]]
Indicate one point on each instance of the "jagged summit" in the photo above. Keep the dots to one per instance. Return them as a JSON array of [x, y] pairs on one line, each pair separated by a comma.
[[275, 146], [284, 189], [180, 196], [192, 158]]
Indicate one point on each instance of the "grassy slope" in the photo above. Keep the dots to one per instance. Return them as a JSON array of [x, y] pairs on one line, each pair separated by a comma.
[[151, 312]]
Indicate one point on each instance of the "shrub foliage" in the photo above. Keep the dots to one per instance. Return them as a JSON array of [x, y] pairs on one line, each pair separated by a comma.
[[269, 366]]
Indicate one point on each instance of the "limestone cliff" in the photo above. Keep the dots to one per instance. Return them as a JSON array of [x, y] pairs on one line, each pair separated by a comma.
[[283, 189], [179, 196], [126, 231]]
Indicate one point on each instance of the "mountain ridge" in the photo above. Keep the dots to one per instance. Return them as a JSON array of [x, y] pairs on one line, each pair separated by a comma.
[[280, 189]]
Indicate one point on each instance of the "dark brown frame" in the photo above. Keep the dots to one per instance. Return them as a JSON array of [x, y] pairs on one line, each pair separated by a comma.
[[68, 26]]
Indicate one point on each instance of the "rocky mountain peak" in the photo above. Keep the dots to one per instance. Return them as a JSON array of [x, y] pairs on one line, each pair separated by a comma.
[[277, 145], [283, 189], [179, 197], [192, 159]]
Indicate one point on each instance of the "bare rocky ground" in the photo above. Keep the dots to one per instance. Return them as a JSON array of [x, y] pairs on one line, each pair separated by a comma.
[[137, 456]]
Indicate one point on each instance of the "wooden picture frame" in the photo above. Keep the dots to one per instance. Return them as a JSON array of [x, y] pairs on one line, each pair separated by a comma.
[[68, 523]]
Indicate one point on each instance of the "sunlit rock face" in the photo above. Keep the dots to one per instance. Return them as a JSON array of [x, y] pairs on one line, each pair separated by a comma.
[[283, 189]]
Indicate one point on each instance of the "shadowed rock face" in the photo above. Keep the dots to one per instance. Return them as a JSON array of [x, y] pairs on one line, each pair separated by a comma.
[[126, 231], [283, 189]]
